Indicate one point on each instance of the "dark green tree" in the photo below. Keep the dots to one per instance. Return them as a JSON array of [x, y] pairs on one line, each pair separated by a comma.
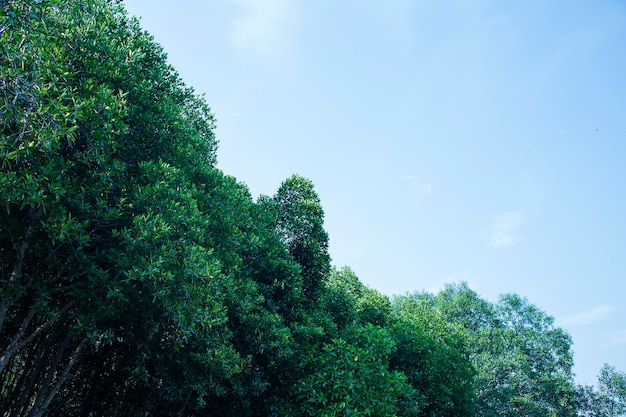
[[351, 376], [114, 295], [300, 223], [434, 356], [350, 302]]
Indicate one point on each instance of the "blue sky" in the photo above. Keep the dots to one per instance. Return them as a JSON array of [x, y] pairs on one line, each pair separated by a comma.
[[479, 141]]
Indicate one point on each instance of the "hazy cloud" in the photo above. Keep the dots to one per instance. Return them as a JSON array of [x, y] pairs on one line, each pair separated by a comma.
[[503, 230], [418, 186], [617, 338], [260, 24], [590, 316]]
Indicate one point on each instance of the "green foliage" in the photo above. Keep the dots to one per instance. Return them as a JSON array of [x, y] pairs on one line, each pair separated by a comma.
[[351, 377], [523, 362], [300, 223], [612, 391], [349, 301], [434, 356], [343, 290], [607, 398], [91, 267], [138, 279]]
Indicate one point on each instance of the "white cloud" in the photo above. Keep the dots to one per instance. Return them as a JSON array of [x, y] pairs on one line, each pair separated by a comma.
[[503, 230], [590, 316], [260, 25], [418, 186]]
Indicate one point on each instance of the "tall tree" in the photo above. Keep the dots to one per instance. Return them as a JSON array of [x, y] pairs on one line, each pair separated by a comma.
[[300, 223]]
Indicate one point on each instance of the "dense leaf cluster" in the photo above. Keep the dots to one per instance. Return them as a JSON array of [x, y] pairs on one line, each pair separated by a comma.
[[136, 279]]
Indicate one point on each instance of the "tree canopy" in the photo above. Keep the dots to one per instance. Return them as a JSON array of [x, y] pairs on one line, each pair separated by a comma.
[[136, 278]]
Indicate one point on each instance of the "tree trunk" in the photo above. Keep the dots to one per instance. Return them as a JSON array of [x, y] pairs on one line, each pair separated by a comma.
[[16, 273], [16, 344], [23, 392], [13, 345], [39, 410], [157, 405]]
